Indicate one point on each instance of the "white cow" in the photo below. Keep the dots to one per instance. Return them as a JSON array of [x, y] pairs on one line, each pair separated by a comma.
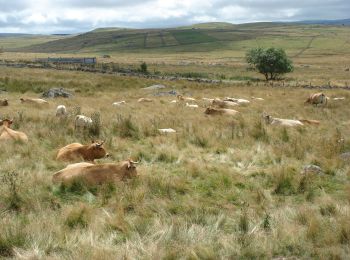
[[166, 130], [283, 122], [82, 122], [61, 110], [339, 98], [191, 105], [240, 101], [119, 103]]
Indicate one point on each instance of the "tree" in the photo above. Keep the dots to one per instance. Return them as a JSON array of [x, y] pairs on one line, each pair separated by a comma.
[[271, 62], [143, 68]]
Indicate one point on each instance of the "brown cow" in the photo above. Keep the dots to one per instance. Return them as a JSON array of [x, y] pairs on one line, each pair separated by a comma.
[[220, 111], [95, 174], [4, 103], [318, 98], [7, 134], [77, 151], [34, 101]]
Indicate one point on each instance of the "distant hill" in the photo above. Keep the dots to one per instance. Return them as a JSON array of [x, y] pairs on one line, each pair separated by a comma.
[[326, 22], [14, 34], [203, 37]]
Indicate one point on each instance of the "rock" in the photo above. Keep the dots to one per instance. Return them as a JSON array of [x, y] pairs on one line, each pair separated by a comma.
[[56, 92], [345, 156], [166, 93], [153, 87], [312, 169]]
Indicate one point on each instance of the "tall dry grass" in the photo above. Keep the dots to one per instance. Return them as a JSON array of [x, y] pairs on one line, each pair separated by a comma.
[[221, 187]]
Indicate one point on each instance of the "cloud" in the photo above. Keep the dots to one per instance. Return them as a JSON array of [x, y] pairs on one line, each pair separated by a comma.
[[71, 16]]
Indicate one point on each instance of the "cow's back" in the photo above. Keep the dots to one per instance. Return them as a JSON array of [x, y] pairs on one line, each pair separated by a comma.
[[69, 152], [91, 175]]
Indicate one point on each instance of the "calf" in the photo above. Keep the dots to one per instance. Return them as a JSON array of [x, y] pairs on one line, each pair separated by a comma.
[[61, 111], [316, 99], [82, 122]]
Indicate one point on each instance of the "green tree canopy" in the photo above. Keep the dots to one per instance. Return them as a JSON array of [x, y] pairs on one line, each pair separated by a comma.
[[271, 62]]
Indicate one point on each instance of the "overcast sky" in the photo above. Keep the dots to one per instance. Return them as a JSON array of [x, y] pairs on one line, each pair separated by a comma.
[[72, 16]]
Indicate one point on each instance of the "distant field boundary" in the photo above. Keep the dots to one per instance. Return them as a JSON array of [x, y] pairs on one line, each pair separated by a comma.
[[91, 69]]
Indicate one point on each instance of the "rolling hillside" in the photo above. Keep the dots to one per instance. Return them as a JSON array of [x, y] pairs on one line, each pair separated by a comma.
[[296, 38]]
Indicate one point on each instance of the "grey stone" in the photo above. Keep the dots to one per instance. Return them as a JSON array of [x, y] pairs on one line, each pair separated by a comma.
[[56, 92], [312, 169]]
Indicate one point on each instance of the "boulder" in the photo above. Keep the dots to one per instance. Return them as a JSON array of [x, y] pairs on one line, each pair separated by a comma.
[[154, 87], [312, 169], [56, 92]]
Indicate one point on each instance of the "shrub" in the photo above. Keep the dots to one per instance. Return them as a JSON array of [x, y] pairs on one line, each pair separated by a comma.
[[13, 182], [11, 237], [272, 62], [78, 217], [126, 128], [143, 68]]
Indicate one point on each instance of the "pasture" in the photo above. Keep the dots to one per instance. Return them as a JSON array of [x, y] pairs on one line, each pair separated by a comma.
[[221, 187]]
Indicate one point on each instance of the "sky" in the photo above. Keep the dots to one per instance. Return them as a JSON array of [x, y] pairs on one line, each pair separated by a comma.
[[74, 16]]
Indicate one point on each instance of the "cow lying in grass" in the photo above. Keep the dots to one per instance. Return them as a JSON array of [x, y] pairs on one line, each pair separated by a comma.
[[220, 111], [78, 152], [7, 134], [317, 99], [288, 122], [4, 103], [34, 101], [223, 104], [95, 174]]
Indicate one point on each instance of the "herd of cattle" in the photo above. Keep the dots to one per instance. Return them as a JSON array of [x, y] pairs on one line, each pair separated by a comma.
[[83, 156]]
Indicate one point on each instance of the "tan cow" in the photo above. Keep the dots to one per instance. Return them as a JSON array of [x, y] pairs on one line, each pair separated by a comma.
[[4, 103], [220, 111], [310, 122], [34, 101], [77, 152], [183, 98], [96, 173], [223, 104], [318, 98], [141, 100], [7, 134]]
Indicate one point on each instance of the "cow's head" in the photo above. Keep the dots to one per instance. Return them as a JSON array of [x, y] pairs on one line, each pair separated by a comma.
[[129, 167], [96, 150], [267, 118], [22, 100], [6, 122], [209, 110]]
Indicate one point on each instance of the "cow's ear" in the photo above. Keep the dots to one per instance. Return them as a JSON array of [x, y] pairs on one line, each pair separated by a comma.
[[92, 141]]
